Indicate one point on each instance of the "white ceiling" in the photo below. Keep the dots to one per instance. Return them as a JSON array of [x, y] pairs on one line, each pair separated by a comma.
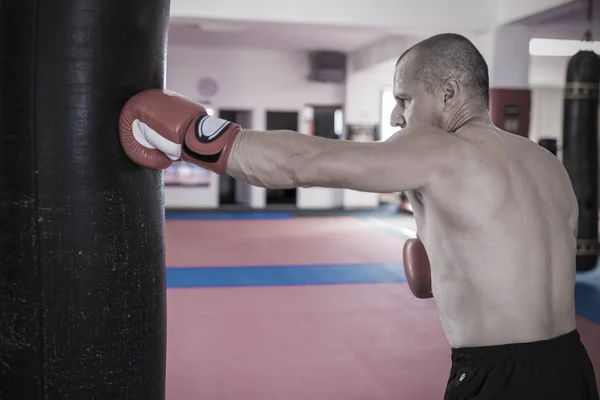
[[562, 22], [573, 13], [566, 22], [271, 35]]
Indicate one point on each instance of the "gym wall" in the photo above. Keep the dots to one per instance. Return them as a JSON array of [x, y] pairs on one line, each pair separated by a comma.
[[261, 80], [249, 79], [255, 80]]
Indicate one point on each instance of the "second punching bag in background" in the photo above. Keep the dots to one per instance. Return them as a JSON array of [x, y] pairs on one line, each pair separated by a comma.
[[580, 149]]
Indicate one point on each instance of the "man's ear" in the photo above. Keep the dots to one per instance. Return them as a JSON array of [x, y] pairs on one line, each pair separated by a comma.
[[451, 91]]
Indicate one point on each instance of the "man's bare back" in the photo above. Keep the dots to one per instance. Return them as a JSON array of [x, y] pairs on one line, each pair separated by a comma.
[[500, 234]]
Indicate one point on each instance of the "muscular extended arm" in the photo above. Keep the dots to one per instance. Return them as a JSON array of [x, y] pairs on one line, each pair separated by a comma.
[[158, 127], [411, 159]]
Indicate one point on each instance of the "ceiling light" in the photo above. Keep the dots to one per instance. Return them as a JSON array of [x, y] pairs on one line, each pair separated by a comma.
[[560, 47]]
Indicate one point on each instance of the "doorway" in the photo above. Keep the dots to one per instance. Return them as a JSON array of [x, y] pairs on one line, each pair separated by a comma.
[[328, 121], [282, 120], [227, 192]]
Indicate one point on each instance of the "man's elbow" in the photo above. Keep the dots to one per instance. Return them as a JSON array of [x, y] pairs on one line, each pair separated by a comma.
[[303, 178], [324, 167], [306, 171]]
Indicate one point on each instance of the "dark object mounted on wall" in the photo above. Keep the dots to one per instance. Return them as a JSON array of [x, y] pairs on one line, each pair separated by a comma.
[[510, 110], [327, 67]]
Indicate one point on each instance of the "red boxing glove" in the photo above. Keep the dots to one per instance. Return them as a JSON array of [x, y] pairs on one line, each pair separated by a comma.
[[417, 268], [158, 127]]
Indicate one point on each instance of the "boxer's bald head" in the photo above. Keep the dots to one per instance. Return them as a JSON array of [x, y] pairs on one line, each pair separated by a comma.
[[438, 78]]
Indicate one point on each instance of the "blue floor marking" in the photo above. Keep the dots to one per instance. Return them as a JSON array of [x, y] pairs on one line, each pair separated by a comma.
[[587, 302], [286, 275], [587, 289], [587, 296], [590, 277], [226, 215]]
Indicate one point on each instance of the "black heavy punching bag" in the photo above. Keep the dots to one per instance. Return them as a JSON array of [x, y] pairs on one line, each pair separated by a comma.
[[82, 288], [580, 149]]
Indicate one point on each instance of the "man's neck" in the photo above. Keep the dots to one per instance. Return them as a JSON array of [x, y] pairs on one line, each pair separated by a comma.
[[466, 115]]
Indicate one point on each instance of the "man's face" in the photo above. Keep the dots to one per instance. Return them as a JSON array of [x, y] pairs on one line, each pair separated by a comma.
[[414, 105]]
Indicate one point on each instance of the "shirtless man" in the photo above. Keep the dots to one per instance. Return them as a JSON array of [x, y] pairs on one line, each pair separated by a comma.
[[496, 212]]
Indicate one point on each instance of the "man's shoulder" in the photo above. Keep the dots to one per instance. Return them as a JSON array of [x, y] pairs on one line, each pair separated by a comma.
[[427, 139], [481, 159]]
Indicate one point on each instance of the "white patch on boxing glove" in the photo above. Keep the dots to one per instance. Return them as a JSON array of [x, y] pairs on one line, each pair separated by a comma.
[[151, 139], [208, 128]]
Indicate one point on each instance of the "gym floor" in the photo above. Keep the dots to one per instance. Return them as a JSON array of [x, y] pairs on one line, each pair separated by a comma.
[[295, 306]]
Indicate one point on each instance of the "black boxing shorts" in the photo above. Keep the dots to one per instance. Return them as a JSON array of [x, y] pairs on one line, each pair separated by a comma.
[[558, 368]]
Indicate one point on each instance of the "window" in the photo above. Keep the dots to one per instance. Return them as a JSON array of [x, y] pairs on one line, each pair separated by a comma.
[[387, 105]]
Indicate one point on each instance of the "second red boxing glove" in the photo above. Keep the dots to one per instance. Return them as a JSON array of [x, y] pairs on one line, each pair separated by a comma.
[[158, 127], [417, 268]]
